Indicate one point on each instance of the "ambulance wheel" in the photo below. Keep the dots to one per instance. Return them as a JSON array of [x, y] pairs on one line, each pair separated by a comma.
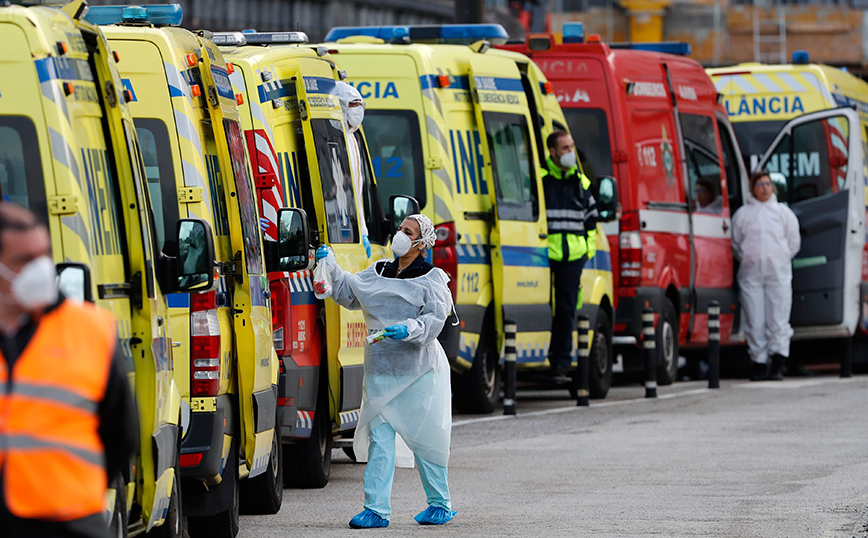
[[477, 390], [223, 524], [263, 494], [118, 524], [601, 358], [666, 342], [173, 525], [308, 462]]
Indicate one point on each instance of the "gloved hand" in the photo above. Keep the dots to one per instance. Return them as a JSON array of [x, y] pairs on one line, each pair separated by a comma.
[[264, 223], [367, 245], [321, 252], [397, 332]]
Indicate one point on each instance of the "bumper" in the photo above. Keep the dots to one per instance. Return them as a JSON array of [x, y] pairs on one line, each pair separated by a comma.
[[205, 437], [297, 390]]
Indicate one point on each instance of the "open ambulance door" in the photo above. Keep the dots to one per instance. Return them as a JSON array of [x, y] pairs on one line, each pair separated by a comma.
[[254, 348], [818, 160], [519, 250], [331, 183]]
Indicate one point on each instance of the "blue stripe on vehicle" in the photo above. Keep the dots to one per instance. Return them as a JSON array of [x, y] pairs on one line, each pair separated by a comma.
[[525, 256], [62, 68], [178, 300]]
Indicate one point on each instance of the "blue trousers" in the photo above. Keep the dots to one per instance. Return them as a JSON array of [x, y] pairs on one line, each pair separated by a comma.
[[567, 280], [380, 472]]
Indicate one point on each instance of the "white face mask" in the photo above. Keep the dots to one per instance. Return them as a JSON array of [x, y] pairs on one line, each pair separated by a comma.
[[568, 160], [355, 115], [401, 244], [35, 286]]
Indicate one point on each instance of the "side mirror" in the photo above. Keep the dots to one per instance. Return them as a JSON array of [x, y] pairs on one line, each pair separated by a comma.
[[401, 207], [73, 281], [195, 255], [607, 198], [293, 239]]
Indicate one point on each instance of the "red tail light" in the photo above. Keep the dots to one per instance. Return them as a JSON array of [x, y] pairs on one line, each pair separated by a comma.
[[204, 345], [630, 250], [281, 301], [445, 255]]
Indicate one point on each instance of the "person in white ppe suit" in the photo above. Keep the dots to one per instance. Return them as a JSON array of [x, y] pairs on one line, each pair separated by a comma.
[[406, 384], [765, 239], [353, 107]]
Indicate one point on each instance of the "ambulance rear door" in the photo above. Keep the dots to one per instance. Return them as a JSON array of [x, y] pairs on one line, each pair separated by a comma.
[[330, 185], [519, 250], [818, 163]]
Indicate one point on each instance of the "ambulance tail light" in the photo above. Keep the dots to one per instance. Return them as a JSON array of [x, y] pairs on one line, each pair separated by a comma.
[[281, 300], [204, 345], [630, 250], [446, 256]]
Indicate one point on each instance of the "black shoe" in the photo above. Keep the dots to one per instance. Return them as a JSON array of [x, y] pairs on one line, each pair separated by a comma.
[[776, 372], [760, 372]]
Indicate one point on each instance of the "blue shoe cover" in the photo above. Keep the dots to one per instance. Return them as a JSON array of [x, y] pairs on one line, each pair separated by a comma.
[[434, 515], [368, 519]]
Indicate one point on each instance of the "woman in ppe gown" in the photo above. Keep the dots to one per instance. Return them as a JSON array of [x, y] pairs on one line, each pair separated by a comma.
[[407, 381]]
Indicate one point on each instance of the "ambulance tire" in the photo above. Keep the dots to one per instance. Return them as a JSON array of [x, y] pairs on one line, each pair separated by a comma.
[[118, 524], [307, 462], [666, 342], [173, 525], [223, 524], [263, 494], [602, 358], [477, 391]]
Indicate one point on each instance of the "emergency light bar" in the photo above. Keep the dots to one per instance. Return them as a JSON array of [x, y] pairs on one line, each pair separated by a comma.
[[679, 48], [158, 15], [275, 38], [463, 34], [801, 57], [228, 39], [574, 32]]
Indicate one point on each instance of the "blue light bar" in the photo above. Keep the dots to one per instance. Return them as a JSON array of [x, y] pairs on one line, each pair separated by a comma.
[[574, 32], [228, 39], [668, 47], [158, 15], [275, 38], [445, 33], [801, 57]]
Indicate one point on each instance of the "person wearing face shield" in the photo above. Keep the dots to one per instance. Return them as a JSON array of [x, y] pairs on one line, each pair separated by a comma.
[[572, 218], [406, 395], [353, 107], [70, 423]]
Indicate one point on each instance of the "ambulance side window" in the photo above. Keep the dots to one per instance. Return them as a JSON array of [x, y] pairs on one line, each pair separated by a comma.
[[590, 130], [509, 141], [21, 179], [246, 197], [703, 165], [733, 184], [370, 204], [337, 185], [812, 159], [157, 157]]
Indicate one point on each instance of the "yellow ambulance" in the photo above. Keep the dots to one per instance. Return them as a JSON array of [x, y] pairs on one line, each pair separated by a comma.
[[297, 141], [69, 152], [441, 106], [813, 172], [196, 163]]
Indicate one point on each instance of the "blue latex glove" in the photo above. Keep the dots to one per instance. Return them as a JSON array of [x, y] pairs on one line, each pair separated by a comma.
[[321, 252], [264, 223], [397, 332], [367, 245]]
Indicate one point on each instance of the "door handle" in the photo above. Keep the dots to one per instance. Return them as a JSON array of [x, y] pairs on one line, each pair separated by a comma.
[[725, 227], [543, 236]]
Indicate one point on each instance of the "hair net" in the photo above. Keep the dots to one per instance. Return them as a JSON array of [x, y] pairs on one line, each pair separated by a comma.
[[347, 94], [427, 234]]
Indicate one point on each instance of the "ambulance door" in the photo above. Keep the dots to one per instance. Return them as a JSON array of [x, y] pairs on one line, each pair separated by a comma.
[[254, 347], [519, 250], [816, 165], [331, 187], [710, 221]]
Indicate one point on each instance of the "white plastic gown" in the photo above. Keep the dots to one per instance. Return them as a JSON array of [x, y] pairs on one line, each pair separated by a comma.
[[407, 382], [765, 238]]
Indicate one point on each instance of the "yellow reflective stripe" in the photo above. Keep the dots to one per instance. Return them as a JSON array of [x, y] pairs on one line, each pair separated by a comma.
[[54, 394], [26, 442]]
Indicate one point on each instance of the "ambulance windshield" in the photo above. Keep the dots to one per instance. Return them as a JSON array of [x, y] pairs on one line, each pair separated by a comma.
[[754, 137], [590, 131], [337, 185], [395, 146], [157, 156], [20, 167]]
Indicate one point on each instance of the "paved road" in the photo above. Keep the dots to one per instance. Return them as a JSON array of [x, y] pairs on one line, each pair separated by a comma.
[[786, 459]]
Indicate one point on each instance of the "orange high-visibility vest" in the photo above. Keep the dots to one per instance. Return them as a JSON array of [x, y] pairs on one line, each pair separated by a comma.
[[52, 459]]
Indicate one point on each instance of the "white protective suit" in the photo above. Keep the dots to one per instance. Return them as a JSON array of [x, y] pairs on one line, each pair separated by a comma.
[[407, 382], [347, 94], [765, 238]]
